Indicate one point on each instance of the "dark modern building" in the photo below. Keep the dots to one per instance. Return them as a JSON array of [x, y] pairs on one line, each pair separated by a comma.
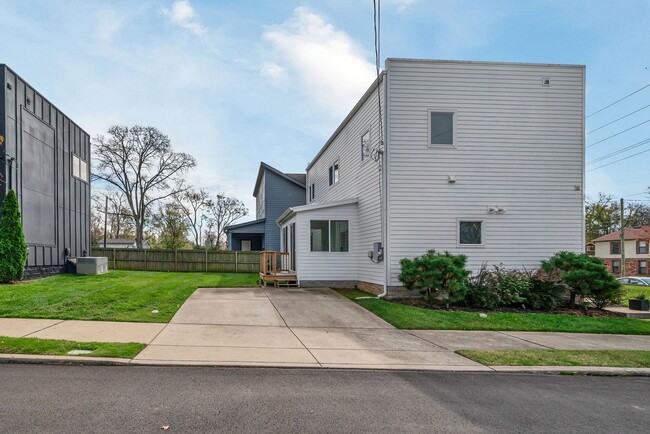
[[274, 192], [45, 158]]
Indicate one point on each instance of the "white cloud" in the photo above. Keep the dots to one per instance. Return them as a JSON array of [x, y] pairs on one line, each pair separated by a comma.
[[274, 72], [182, 14], [331, 67]]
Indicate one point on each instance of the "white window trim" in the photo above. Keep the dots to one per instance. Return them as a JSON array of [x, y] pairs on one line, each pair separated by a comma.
[[369, 156], [454, 114], [483, 232], [329, 240]]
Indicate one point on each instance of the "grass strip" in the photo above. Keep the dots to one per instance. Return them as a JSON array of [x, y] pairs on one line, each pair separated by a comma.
[[417, 318], [58, 347], [600, 358], [115, 296]]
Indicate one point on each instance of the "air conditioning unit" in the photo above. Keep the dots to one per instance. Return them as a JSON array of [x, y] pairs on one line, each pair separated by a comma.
[[92, 265]]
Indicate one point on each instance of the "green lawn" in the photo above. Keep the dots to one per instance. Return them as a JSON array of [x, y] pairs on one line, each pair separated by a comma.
[[56, 347], [633, 291], [607, 358], [115, 296], [416, 318]]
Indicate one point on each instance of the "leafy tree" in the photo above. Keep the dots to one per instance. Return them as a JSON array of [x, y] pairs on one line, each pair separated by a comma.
[[603, 215], [13, 249], [586, 276], [140, 162], [436, 275], [171, 226], [222, 213]]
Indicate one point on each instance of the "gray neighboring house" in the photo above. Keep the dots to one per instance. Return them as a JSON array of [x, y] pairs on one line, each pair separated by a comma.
[[484, 159], [45, 159], [274, 192]]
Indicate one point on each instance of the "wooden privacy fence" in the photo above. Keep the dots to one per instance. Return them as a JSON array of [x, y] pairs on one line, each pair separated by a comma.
[[180, 260]]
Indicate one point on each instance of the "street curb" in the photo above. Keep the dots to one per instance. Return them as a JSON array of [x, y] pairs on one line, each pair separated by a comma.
[[62, 360], [543, 370]]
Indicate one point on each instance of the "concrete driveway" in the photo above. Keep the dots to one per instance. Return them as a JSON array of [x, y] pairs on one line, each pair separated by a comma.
[[290, 327]]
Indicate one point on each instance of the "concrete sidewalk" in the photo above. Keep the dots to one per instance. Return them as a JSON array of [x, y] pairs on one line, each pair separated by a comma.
[[301, 327]]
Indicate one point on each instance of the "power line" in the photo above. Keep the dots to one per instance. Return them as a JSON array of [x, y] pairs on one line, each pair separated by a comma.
[[617, 101], [627, 148], [636, 194], [622, 117], [619, 133], [621, 159]]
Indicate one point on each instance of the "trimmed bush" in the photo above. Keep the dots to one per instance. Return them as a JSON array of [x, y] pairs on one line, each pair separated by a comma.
[[436, 275], [13, 249], [488, 289], [585, 276], [546, 291]]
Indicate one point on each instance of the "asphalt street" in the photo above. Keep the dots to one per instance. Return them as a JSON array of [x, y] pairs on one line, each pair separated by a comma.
[[59, 398]]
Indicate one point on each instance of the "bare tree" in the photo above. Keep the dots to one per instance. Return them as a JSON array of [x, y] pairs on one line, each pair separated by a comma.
[[192, 204], [140, 162], [222, 213]]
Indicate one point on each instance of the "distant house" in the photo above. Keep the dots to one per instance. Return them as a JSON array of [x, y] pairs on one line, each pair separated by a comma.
[[123, 243], [637, 252], [274, 192], [45, 159], [484, 159]]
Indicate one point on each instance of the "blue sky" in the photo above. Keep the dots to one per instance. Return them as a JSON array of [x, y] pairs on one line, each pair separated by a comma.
[[236, 82]]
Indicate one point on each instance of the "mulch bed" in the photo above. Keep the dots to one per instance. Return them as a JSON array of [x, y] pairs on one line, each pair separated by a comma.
[[600, 313]]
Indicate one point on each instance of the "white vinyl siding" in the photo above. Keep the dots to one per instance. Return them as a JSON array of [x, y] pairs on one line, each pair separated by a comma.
[[518, 145], [326, 265], [357, 179]]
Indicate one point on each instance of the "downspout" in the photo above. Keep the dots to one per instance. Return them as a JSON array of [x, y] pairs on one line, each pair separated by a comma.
[[384, 186]]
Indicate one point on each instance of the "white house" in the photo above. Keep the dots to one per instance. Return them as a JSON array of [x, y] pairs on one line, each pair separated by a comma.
[[480, 158]]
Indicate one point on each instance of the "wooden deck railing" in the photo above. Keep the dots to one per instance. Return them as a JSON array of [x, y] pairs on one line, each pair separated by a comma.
[[276, 267]]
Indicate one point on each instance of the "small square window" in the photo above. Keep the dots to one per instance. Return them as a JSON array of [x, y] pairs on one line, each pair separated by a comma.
[[470, 233], [441, 128], [642, 247], [615, 247], [643, 267]]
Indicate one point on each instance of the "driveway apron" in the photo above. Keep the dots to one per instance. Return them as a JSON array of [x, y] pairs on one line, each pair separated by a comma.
[[290, 327]]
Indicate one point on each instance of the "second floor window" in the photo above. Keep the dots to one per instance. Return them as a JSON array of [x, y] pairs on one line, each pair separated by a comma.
[[615, 247], [334, 173], [79, 168], [312, 191], [365, 146], [642, 247]]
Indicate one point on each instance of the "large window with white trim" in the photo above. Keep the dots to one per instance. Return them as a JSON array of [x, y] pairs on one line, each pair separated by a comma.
[[329, 235]]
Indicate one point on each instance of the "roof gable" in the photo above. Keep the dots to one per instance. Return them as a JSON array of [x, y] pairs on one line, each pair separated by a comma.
[[296, 178]]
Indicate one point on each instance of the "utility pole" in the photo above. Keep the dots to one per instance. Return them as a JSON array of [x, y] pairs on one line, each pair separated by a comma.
[[622, 238], [106, 219]]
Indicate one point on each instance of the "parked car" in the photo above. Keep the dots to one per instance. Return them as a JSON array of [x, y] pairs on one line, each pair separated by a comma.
[[641, 281]]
